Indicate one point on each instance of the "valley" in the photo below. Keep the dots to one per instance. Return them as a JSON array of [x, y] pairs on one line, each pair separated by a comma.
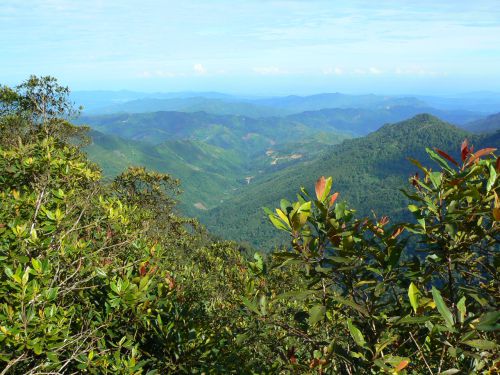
[[232, 165]]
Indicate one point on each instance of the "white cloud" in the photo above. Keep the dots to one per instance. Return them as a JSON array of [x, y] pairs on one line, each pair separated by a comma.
[[199, 69], [268, 70], [336, 70], [375, 71]]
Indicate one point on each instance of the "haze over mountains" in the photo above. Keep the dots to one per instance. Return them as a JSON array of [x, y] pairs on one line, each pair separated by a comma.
[[235, 155]]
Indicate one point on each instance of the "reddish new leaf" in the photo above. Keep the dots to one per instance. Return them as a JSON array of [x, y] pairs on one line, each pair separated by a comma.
[[383, 221], [465, 149], [498, 164], [446, 156], [480, 153], [456, 181], [397, 232], [320, 187], [333, 198]]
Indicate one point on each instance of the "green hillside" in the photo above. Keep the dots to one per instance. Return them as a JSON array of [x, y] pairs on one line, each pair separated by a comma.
[[207, 172], [361, 121], [366, 171], [223, 131]]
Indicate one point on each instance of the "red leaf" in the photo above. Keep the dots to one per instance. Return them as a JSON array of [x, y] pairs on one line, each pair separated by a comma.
[[397, 232], [477, 155], [465, 149], [383, 221], [498, 164], [445, 155], [456, 181], [333, 198], [143, 268], [320, 187]]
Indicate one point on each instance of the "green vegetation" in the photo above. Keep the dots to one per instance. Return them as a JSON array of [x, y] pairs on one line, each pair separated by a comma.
[[106, 277], [214, 156], [368, 172]]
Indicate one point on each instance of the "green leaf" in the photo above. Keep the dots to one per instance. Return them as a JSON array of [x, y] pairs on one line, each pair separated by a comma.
[[352, 304], [241, 338], [413, 294], [492, 178], [316, 313], [413, 319], [442, 308], [436, 179], [489, 321], [356, 334], [8, 272], [37, 265], [250, 305], [278, 223], [26, 276], [462, 309], [481, 344], [437, 158]]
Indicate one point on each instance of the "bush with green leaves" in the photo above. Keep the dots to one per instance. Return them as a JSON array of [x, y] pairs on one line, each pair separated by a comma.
[[366, 299], [102, 278]]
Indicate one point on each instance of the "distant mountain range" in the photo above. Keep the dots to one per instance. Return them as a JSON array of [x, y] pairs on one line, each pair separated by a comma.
[[105, 102]]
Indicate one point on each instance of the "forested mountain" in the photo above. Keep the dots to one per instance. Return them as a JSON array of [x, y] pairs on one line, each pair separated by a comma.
[[231, 166], [367, 172], [213, 162], [489, 124], [234, 132], [208, 173], [363, 121]]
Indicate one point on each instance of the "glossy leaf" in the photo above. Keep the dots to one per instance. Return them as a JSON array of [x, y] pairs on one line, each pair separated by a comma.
[[442, 308]]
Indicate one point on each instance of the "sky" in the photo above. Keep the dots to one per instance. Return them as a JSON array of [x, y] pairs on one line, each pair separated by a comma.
[[255, 47]]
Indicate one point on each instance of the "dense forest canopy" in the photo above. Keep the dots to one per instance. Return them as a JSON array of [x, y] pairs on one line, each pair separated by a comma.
[[102, 276]]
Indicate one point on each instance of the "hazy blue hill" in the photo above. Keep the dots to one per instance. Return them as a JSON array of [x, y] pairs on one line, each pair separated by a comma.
[[338, 100], [486, 125], [94, 100], [483, 101], [192, 104], [366, 171]]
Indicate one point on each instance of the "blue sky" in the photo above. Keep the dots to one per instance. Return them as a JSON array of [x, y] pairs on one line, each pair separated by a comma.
[[255, 46]]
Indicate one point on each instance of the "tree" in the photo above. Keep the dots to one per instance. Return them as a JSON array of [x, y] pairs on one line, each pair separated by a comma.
[[39, 103], [368, 302]]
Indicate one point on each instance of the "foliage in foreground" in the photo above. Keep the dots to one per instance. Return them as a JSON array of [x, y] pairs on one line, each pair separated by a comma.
[[366, 305], [102, 278]]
